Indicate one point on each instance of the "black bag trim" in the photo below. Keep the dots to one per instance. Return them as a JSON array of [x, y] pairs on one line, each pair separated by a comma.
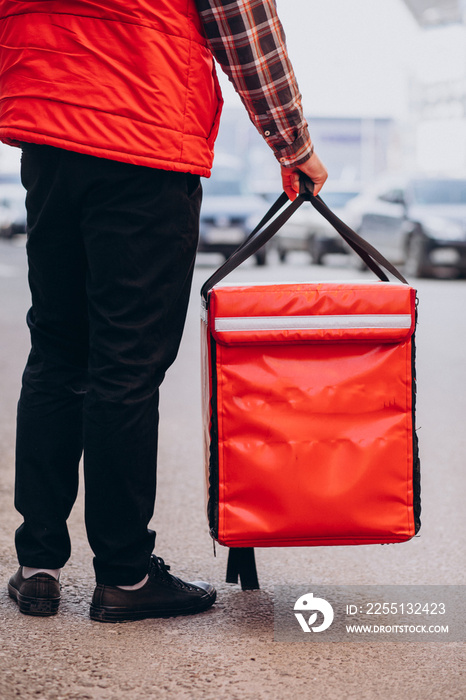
[[416, 457], [213, 498]]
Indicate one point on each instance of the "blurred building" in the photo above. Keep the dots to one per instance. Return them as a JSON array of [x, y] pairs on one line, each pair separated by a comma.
[[354, 149], [438, 85], [433, 13]]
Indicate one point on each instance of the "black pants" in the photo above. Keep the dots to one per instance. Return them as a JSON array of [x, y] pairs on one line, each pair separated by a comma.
[[111, 250]]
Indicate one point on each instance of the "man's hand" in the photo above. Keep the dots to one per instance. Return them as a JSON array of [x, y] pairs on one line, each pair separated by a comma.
[[313, 168]]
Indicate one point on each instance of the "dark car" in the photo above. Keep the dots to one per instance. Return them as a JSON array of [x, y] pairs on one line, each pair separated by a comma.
[[228, 214], [12, 206], [419, 222]]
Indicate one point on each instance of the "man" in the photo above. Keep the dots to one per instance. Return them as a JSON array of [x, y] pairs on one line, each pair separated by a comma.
[[116, 108]]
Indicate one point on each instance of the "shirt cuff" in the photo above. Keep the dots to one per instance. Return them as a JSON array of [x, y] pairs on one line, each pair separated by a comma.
[[295, 153]]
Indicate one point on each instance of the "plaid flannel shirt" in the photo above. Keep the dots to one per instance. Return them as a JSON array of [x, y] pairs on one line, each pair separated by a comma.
[[247, 39]]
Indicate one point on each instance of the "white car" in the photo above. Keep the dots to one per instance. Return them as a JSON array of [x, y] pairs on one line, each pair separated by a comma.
[[307, 230]]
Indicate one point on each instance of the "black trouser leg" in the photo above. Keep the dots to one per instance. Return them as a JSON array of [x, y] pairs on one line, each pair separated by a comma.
[[138, 233], [49, 420]]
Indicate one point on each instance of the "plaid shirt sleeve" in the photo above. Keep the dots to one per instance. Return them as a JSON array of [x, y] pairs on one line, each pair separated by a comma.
[[247, 39]]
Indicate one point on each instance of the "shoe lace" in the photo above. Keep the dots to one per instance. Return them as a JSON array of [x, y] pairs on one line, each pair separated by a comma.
[[160, 570]]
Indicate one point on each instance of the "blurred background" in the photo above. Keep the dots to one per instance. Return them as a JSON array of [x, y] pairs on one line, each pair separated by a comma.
[[384, 92], [383, 85]]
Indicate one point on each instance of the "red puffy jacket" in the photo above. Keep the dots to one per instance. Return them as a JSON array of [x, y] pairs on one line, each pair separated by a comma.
[[131, 81]]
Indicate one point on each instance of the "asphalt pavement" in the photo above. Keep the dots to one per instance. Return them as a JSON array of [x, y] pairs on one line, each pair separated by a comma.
[[230, 651]]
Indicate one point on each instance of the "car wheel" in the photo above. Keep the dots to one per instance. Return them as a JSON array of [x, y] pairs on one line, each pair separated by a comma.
[[416, 263], [281, 255], [261, 257], [316, 251], [6, 232]]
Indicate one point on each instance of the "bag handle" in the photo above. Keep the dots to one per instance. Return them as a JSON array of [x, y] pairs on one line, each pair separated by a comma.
[[260, 235]]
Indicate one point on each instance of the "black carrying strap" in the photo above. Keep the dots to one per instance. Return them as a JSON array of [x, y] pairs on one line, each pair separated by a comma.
[[256, 239], [242, 564], [260, 236]]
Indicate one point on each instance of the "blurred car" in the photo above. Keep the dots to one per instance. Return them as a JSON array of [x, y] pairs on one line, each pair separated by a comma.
[[12, 206], [228, 214], [307, 230], [419, 222]]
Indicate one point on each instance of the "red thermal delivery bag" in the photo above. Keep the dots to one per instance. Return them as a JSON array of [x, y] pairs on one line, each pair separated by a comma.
[[309, 409]]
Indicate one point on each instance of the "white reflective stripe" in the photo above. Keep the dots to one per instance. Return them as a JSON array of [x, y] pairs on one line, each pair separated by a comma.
[[285, 323]]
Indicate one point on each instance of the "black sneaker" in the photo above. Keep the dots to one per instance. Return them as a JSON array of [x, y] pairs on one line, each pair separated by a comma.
[[38, 595], [163, 595]]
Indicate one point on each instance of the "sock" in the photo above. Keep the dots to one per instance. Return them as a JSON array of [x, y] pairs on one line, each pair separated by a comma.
[[136, 585], [29, 571]]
